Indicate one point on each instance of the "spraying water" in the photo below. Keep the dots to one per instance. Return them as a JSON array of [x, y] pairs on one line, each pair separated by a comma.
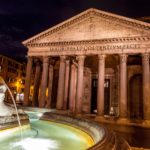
[[18, 118]]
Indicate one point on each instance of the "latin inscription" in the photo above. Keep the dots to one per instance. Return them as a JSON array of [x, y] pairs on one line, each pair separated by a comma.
[[94, 47]]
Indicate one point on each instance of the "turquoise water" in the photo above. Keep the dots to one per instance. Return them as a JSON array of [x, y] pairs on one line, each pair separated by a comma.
[[44, 135]]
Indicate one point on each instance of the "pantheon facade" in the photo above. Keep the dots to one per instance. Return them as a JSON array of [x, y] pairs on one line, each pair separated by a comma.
[[95, 62]]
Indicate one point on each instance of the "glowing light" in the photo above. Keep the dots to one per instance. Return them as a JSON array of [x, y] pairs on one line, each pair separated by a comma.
[[39, 114], [37, 144]]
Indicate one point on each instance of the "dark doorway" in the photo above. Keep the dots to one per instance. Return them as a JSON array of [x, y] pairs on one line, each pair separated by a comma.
[[94, 95], [106, 95], [135, 97], [54, 88]]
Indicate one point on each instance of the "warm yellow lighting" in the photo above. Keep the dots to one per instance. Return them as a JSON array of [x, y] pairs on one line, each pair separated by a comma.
[[46, 91], [4, 133], [82, 136], [1, 80], [18, 84]]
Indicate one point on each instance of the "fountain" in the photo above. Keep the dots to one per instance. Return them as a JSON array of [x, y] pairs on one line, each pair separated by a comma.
[[49, 130], [35, 136], [9, 116]]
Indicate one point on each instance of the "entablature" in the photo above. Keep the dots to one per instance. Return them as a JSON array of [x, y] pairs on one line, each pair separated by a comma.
[[92, 47]]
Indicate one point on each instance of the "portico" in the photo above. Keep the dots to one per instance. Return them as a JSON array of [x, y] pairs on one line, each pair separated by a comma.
[[78, 46]]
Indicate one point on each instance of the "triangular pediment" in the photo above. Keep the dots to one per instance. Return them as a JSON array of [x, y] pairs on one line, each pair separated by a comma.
[[92, 24]]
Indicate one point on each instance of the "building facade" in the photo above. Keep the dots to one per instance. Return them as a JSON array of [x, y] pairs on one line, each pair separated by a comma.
[[13, 73], [95, 62]]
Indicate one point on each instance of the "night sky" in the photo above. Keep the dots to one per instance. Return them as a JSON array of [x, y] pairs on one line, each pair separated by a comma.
[[21, 19]]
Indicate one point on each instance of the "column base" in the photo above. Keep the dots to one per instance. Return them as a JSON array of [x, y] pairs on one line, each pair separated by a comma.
[[78, 115], [146, 123]]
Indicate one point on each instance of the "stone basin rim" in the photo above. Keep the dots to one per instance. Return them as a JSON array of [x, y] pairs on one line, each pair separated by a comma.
[[103, 138]]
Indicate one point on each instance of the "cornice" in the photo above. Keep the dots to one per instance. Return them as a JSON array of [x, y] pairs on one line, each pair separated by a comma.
[[89, 13], [96, 41], [122, 19]]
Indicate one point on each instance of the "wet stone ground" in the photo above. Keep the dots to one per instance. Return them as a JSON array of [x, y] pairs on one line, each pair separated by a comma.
[[135, 136]]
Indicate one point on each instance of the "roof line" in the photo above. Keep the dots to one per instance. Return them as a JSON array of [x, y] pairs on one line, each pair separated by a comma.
[[91, 10]]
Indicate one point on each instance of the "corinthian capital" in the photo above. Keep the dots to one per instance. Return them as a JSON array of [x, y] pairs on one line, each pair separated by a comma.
[[37, 61], [62, 58], [145, 57], [123, 58], [80, 58], [45, 59], [30, 58], [67, 62], [101, 57]]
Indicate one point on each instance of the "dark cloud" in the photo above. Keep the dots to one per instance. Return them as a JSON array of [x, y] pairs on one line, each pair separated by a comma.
[[12, 48]]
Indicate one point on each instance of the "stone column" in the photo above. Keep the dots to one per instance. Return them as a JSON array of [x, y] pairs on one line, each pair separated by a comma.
[[28, 81], [146, 86], [101, 80], [37, 80], [79, 96], [72, 91], [43, 87], [50, 84], [67, 72], [61, 82], [123, 86]]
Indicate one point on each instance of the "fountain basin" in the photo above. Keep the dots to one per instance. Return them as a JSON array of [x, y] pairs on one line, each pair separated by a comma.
[[103, 138], [62, 132], [93, 129], [11, 121], [46, 135]]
